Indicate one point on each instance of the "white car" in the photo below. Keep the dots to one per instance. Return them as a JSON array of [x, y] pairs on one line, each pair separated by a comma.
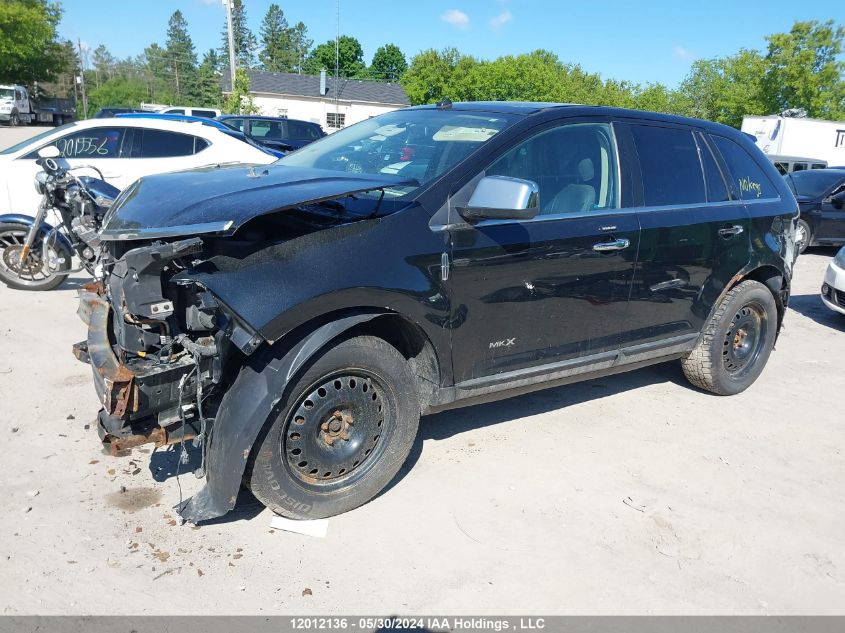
[[833, 288], [123, 149]]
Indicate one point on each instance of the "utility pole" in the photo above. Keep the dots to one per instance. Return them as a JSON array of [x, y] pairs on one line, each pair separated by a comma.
[[337, 67], [228, 5], [82, 80]]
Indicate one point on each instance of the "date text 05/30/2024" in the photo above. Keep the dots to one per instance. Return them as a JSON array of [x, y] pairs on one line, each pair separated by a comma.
[[432, 623]]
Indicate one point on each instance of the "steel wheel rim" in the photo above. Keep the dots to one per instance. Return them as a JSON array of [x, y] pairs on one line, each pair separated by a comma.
[[11, 242], [744, 339], [337, 429]]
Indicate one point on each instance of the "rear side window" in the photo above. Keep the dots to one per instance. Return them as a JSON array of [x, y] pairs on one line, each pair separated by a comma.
[[299, 131], [161, 144], [717, 190], [266, 129], [749, 179], [670, 166], [207, 114]]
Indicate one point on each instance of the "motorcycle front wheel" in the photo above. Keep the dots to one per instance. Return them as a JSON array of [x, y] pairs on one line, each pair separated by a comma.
[[33, 273]]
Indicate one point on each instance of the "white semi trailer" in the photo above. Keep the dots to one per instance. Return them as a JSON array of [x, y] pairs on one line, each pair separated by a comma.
[[793, 136]]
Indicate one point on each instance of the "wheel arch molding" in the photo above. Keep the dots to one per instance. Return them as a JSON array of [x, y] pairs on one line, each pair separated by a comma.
[[257, 391]]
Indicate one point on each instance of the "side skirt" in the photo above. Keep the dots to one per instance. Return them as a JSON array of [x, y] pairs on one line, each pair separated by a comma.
[[522, 381]]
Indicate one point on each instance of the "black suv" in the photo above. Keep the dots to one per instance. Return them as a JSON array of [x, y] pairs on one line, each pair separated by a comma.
[[284, 135], [293, 321]]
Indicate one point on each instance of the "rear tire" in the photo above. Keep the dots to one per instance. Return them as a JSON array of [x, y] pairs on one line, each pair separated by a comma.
[[736, 342], [803, 236], [12, 236], [344, 428]]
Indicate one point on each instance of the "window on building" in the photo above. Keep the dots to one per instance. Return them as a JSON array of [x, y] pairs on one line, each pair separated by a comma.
[[282, 113], [335, 119]]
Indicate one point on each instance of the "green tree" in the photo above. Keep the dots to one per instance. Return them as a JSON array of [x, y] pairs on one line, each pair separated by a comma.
[[117, 92], [208, 80], [300, 45], [727, 88], [239, 100], [103, 62], [429, 77], [181, 57], [389, 63], [351, 58], [803, 70], [29, 47], [245, 42], [277, 54]]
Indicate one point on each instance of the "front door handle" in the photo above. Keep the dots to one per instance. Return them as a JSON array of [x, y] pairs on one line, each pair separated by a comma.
[[615, 245], [730, 231]]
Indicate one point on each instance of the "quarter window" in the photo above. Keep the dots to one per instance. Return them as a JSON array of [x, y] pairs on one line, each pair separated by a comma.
[[160, 144], [573, 165], [750, 180], [671, 169]]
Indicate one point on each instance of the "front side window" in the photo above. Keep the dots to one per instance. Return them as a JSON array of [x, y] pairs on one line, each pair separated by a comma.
[[573, 165], [161, 144], [749, 179], [206, 114], [670, 166], [104, 142], [420, 144]]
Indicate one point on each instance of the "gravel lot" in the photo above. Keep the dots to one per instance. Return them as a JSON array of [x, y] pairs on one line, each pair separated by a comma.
[[632, 494]]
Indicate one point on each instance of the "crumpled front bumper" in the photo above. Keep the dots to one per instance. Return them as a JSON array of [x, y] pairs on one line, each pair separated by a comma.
[[114, 382]]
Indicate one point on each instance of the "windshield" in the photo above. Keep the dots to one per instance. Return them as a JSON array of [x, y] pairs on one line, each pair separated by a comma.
[[417, 143], [814, 184], [34, 139], [7, 93]]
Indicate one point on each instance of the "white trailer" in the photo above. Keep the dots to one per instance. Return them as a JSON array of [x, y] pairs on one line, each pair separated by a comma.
[[792, 136]]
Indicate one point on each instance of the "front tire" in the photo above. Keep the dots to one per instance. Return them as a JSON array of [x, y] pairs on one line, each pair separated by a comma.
[[344, 428], [34, 274], [14, 120], [736, 342], [803, 236]]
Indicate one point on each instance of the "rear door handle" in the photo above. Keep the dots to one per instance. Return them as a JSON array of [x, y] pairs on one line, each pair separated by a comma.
[[730, 231], [615, 245]]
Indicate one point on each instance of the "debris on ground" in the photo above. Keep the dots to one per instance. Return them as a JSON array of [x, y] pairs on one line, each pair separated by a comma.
[[630, 503], [317, 527]]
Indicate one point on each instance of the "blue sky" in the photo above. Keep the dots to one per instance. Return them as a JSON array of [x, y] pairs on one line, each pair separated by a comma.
[[650, 40]]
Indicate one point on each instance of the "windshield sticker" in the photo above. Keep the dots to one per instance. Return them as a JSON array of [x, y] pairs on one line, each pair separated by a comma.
[[746, 185], [464, 133]]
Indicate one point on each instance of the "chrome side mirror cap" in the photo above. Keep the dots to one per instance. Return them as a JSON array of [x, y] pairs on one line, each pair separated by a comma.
[[502, 198], [51, 151]]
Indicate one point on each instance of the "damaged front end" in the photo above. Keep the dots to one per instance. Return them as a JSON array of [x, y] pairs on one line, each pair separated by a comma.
[[157, 348]]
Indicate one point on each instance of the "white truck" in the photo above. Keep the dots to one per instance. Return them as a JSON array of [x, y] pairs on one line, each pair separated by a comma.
[[19, 107], [780, 136]]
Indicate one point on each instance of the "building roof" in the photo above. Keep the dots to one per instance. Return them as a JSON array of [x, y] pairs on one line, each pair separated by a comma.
[[309, 86]]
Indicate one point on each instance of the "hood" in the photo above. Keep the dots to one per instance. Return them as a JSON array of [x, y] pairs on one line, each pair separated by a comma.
[[221, 199]]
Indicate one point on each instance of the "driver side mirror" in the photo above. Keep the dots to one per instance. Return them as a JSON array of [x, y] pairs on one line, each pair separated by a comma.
[[502, 198], [51, 151]]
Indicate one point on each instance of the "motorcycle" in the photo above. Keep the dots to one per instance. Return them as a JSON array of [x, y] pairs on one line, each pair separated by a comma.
[[37, 256]]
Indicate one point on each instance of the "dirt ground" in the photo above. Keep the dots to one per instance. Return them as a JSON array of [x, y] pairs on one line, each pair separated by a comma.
[[632, 494]]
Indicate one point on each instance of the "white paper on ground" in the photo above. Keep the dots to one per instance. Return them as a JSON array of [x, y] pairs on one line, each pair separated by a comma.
[[317, 527]]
